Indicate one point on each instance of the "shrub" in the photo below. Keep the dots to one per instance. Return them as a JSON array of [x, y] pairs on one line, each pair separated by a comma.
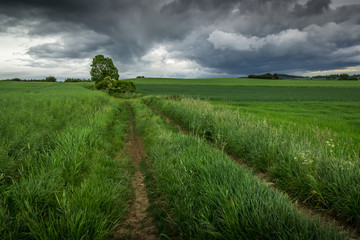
[[104, 84], [346, 76], [77, 80], [50, 79], [122, 86], [116, 86], [265, 76]]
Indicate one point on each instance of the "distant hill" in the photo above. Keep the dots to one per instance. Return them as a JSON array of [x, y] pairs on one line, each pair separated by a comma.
[[279, 75], [286, 76]]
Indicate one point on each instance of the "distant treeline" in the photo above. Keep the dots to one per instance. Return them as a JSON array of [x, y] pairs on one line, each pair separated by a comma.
[[77, 80], [265, 76], [343, 76], [47, 79]]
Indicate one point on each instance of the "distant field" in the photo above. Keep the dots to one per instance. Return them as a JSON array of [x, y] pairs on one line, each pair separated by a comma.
[[245, 82], [342, 118], [253, 93], [334, 105]]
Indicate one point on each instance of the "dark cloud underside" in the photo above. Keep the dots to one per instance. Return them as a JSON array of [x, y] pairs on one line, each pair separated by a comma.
[[227, 36]]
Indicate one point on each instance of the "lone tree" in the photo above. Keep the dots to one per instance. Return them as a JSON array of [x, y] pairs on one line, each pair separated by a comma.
[[102, 67], [50, 79]]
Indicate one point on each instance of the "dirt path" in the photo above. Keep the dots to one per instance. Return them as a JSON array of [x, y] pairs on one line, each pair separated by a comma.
[[138, 224], [265, 178]]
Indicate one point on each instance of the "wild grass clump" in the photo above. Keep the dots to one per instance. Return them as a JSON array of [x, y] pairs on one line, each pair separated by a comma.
[[58, 177], [316, 168], [208, 196]]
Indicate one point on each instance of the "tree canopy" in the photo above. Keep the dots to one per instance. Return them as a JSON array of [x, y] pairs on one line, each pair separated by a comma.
[[265, 76], [102, 67]]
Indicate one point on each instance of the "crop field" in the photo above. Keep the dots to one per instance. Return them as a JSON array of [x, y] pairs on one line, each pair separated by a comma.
[[313, 166], [245, 82], [254, 93], [342, 119], [219, 158], [58, 177]]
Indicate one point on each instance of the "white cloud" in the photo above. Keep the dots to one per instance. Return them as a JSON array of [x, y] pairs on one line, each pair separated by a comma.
[[225, 40], [338, 3], [284, 40], [349, 70], [347, 51], [160, 62], [28, 56], [14, 55]]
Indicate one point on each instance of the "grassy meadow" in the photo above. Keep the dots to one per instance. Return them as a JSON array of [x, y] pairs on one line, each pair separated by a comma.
[[326, 104], [305, 134], [58, 175], [208, 196], [312, 166], [245, 82], [342, 119], [255, 93], [63, 174]]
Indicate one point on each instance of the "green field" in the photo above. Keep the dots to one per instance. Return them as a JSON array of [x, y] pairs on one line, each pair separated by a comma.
[[255, 93], [332, 105], [340, 118], [58, 175], [64, 175], [310, 164], [245, 82], [209, 196]]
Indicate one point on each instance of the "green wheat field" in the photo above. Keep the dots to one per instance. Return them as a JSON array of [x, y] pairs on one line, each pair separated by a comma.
[[63, 174]]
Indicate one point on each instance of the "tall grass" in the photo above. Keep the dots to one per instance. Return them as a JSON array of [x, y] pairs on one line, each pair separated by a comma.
[[316, 168], [208, 196], [340, 118], [59, 178]]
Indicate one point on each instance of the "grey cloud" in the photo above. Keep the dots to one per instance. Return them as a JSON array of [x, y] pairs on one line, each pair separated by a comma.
[[127, 29], [6, 22], [82, 45], [313, 7]]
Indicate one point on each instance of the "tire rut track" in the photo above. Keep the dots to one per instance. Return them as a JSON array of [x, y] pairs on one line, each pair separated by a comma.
[[264, 177], [138, 224]]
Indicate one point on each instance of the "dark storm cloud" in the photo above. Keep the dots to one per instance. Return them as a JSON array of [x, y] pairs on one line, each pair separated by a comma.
[[231, 36], [313, 7], [83, 43], [125, 22]]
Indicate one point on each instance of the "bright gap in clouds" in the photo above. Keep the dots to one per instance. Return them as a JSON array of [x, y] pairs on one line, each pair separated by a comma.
[[160, 62], [14, 53], [349, 70]]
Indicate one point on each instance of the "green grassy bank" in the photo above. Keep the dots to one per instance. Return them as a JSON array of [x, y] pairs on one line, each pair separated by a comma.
[[311, 165], [58, 175], [208, 196]]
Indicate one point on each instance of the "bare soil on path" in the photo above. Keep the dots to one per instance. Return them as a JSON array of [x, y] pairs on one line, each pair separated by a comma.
[[138, 224]]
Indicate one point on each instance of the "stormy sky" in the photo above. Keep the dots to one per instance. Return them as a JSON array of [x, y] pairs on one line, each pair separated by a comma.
[[179, 38]]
